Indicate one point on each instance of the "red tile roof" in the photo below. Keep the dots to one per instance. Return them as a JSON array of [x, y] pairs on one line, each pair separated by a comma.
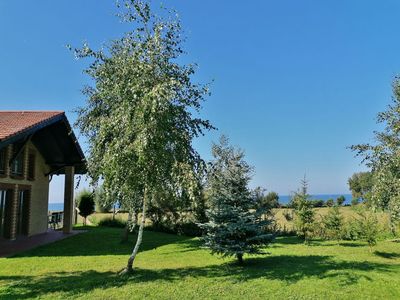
[[15, 122]]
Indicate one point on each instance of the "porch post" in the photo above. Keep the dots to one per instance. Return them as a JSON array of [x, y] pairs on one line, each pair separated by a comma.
[[69, 205]]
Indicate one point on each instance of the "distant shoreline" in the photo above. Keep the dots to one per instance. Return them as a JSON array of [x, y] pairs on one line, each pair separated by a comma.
[[284, 199]]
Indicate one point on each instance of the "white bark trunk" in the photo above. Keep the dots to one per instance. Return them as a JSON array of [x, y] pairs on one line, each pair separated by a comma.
[[129, 267]]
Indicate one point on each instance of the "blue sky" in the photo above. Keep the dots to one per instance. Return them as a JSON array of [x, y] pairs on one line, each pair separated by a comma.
[[294, 82]]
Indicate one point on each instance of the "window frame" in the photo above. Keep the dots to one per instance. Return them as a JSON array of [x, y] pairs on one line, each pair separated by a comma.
[[20, 157]]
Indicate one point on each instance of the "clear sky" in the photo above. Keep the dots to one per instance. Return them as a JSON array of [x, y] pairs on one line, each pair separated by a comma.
[[294, 81]]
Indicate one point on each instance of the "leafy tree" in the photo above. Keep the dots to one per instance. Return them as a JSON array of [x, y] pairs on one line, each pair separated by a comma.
[[265, 201], [383, 158], [340, 200], [303, 211], [333, 223], [236, 227], [272, 199], [141, 114], [85, 201], [361, 185], [330, 202]]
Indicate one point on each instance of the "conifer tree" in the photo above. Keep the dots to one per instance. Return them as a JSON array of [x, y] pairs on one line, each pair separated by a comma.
[[235, 225], [303, 211], [333, 223]]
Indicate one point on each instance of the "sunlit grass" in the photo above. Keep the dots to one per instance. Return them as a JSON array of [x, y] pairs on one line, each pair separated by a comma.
[[171, 267]]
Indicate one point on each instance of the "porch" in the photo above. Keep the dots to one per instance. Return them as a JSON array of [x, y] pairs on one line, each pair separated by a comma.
[[24, 243]]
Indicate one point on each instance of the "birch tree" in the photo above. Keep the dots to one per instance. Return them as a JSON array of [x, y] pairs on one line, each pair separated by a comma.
[[383, 157], [142, 113]]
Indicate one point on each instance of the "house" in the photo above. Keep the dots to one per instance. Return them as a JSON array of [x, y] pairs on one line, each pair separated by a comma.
[[34, 146]]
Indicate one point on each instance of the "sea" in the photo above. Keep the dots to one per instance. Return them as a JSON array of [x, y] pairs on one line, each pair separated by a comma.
[[282, 199], [286, 198]]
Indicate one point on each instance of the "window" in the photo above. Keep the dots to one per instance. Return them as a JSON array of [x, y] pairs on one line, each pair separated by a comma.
[[3, 162], [17, 166], [31, 165]]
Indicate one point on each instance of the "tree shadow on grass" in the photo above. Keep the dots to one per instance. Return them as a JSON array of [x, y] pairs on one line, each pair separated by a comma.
[[352, 244], [287, 268], [103, 241], [387, 255]]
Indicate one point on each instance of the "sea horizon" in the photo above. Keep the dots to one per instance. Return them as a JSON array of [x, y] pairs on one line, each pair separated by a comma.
[[284, 199]]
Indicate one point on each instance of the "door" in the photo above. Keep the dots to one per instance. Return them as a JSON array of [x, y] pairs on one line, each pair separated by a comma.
[[23, 212]]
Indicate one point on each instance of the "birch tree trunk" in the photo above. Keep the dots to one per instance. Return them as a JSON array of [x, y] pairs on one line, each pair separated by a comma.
[[129, 267]]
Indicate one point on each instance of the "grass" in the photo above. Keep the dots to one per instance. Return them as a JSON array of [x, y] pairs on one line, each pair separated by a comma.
[[171, 267]]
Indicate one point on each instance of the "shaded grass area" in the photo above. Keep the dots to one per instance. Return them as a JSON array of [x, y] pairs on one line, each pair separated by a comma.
[[171, 267]]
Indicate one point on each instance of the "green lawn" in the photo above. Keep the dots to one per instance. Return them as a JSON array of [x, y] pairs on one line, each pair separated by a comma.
[[171, 267]]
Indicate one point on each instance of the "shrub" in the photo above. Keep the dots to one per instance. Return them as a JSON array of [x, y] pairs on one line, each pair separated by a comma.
[[85, 204], [110, 222], [317, 203], [340, 200], [288, 215], [185, 228], [330, 202], [355, 201], [351, 231]]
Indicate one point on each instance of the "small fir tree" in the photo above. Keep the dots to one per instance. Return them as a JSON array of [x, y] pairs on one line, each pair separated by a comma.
[[368, 227], [235, 225], [333, 223], [303, 211]]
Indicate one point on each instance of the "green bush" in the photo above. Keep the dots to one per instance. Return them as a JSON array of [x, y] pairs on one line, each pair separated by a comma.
[[186, 228], [351, 231], [85, 204], [330, 202], [110, 222]]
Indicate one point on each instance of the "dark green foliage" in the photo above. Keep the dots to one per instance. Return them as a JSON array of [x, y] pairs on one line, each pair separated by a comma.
[[355, 201], [317, 203], [112, 222], [236, 226], [288, 215], [333, 224], [340, 200], [271, 200], [187, 228], [85, 202], [330, 202]]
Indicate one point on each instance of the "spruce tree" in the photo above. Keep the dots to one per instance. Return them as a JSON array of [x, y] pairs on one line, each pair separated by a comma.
[[303, 211], [333, 223], [235, 225]]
